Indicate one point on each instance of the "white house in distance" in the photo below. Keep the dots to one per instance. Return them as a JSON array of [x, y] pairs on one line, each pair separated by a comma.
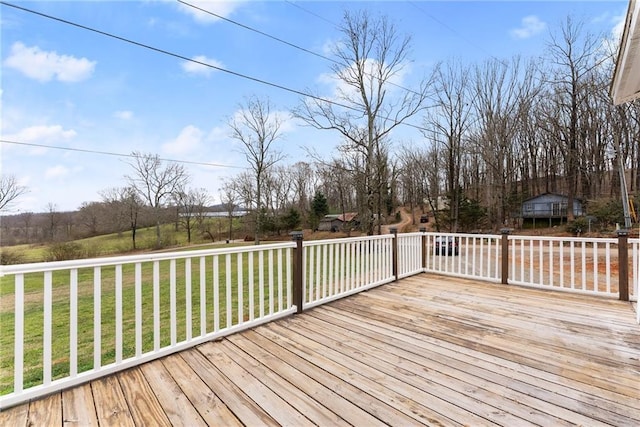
[[549, 207]]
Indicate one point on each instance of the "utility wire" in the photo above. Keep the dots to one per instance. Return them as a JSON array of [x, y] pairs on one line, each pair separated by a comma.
[[110, 153], [311, 12], [439, 22], [255, 30], [175, 55], [319, 55], [184, 58]]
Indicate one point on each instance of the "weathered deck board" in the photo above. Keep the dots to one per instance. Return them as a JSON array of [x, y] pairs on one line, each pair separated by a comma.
[[485, 367], [111, 406], [428, 350], [78, 407]]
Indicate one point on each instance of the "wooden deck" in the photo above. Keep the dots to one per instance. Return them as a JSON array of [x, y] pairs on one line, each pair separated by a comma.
[[425, 350]]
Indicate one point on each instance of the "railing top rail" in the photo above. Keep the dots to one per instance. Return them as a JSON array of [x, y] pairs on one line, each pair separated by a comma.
[[459, 235], [565, 239], [346, 240], [412, 234], [130, 259]]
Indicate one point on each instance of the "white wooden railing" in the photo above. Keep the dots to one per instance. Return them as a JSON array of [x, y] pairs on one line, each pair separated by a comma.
[[476, 256], [339, 267], [410, 254], [635, 276], [73, 321], [584, 265], [99, 316]]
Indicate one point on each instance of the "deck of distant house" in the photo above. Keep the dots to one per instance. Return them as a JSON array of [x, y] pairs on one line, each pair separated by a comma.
[[426, 350]]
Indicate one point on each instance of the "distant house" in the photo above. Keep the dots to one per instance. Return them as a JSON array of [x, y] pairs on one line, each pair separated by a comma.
[[549, 207], [236, 213], [337, 222]]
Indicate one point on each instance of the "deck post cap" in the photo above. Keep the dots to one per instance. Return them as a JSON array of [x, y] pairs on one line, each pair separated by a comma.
[[622, 232], [296, 235], [505, 231]]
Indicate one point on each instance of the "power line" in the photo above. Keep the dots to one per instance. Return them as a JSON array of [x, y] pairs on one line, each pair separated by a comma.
[[255, 30], [439, 22], [295, 46], [110, 153], [175, 55], [311, 12], [184, 58]]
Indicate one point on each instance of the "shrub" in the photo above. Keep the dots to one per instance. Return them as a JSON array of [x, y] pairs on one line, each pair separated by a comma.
[[607, 212], [578, 225], [64, 250], [8, 257], [92, 250]]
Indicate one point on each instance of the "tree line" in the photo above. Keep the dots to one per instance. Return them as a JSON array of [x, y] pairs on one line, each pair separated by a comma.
[[493, 134]]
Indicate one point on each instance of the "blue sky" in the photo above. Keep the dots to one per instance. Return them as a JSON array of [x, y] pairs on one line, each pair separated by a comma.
[[68, 87]]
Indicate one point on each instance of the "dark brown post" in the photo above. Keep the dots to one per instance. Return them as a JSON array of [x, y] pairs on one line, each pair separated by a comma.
[[623, 265], [505, 255], [297, 237], [394, 255], [423, 250]]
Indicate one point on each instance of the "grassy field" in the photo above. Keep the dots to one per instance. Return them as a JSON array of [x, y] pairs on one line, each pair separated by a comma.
[[226, 312], [115, 244]]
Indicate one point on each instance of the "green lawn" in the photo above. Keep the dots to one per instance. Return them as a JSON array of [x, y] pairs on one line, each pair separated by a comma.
[[115, 244], [227, 312], [33, 316]]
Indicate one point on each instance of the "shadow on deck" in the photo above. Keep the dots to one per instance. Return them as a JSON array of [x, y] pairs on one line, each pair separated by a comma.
[[424, 350]]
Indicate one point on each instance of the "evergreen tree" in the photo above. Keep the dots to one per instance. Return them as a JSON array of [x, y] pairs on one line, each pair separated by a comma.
[[319, 208]]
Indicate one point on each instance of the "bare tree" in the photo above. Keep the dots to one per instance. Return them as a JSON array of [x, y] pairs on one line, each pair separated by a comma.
[[125, 206], [27, 220], [304, 180], [500, 90], [53, 220], [191, 204], [339, 177], [156, 183], [257, 128], [368, 105], [91, 215], [421, 178], [449, 124], [571, 54], [229, 198], [117, 217], [133, 206], [10, 190]]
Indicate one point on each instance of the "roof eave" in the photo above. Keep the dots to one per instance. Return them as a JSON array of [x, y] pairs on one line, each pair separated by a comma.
[[625, 85]]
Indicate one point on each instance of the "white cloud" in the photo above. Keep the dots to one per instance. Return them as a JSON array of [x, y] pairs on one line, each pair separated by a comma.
[[46, 66], [123, 115], [199, 69], [531, 26], [188, 140], [618, 27], [42, 133], [342, 90], [222, 8], [218, 133], [330, 47], [611, 42], [56, 172], [287, 121]]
